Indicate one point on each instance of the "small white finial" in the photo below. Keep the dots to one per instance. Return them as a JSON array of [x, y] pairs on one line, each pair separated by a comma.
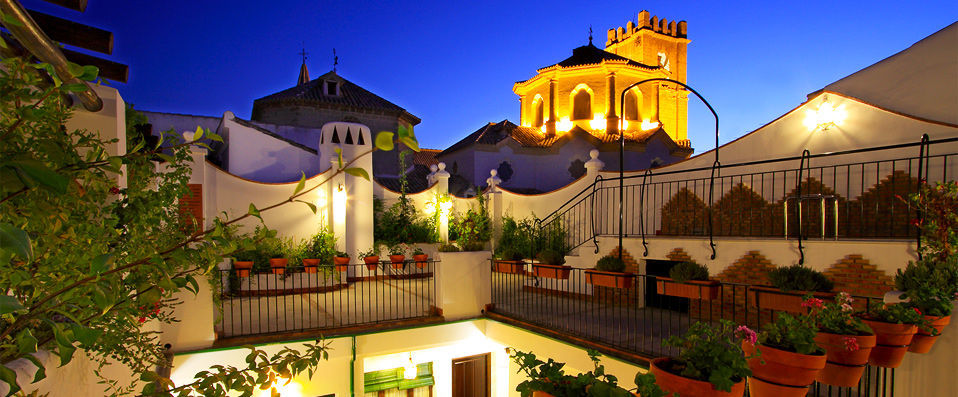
[[433, 168], [188, 136], [442, 166], [493, 172], [594, 153]]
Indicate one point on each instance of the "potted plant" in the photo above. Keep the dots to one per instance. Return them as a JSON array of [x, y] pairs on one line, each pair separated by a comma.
[[509, 261], [341, 260], [448, 247], [397, 255], [710, 363], [551, 265], [370, 257], [243, 263], [688, 280], [790, 285], [609, 272], [548, 379], [930, 285], [316, 250], [894, 326], [420, 257], [274, 250], [790, 359], [846, 339]]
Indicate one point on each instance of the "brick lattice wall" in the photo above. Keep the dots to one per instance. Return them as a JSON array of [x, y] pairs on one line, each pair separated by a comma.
[[617, 295], [191, 207], [855, 275]]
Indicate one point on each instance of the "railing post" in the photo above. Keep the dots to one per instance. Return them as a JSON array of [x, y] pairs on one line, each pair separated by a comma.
[[923, 149], [495, 205]]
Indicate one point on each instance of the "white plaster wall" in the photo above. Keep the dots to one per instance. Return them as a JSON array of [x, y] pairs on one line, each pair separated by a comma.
[[163, 122], [110, 122], [196, 317], [257, 156], [463, 283]]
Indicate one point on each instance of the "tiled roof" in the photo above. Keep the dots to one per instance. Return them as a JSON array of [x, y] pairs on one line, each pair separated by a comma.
[[246, 123], [415, 180], [350, 96], [426, 157], [493, 133], [592, 55]]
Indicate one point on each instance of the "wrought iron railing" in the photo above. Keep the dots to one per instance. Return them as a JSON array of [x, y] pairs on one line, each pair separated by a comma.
[[324, 297], [638, 319], [842, 195]]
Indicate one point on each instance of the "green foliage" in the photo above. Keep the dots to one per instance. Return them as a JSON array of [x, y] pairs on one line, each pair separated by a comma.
[[448, 247], [372, 251], [517, 237], [551, 257], [794, 334], [321, 245], [610, 263], [836, 317], [397, 249], [902, 313], [939, 223], [418, 251], [930, 284], [550, 377], [685, 271], [401, 223], [341, 254], [712, 354], [474, 228], [799, 278], [509, 254], [553, 236]]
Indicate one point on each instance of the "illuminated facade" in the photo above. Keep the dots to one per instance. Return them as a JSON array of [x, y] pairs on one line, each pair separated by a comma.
[[572, 107]]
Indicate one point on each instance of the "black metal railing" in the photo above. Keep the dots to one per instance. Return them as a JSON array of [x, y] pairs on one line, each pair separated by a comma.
[[839, 197], [324, 297], [638, 319]]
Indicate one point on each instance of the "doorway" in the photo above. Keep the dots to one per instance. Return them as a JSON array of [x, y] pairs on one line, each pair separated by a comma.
[[654, 268], [470, 376]]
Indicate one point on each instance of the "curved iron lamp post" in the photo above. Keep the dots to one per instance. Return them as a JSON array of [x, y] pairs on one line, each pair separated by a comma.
[[715, 165]]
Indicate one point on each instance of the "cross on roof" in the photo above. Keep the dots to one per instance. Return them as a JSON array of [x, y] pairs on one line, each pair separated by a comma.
[[303, 53], [590, 34], [335, 60]]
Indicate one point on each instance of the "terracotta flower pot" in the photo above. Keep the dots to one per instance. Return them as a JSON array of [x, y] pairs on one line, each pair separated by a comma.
[[672, 383], [341, 262], [421, 260], [761, 388], [692, 289], [781, 367], [310, 265], [844, 367], [242, 268], [558, 272], [923, 340], [892, 342], [510, 267], [398, 261], [609, 279], [372, 262], [775, 299], [278, 265]]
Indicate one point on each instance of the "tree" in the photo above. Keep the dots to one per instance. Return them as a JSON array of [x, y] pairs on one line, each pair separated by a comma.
[[85, 262]]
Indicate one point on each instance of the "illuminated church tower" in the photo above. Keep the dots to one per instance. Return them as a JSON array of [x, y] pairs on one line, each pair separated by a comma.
[[583, 90]]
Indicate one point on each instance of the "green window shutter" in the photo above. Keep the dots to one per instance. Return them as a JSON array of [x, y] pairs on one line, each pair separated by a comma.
[[392, 379]]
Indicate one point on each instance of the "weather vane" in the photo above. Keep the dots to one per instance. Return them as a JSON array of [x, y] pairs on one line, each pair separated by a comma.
[[590, 34], [303, 53], [335, 60]]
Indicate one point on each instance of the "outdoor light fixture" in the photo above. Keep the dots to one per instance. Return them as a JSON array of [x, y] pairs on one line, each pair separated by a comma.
[[649, 125], [597, 122], [825, 117], [564, 125], [410, 371], [340, 187]]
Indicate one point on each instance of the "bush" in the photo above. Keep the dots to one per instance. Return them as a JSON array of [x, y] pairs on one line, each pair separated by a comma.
[[551, 257], [713, 354], [401, 223], [509, 254], [610, 263], [930, 284], [799, 278], [320, 246], [473, 228], [685, 271], [517, 235], [794, 334], [447, 247]]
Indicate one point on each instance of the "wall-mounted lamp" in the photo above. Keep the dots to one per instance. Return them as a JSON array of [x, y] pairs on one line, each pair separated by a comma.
[[410, 370], [825, 117], [341, 187]]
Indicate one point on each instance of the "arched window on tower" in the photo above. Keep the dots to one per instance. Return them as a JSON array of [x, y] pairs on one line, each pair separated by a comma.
[[632, 105], [582, 105], [537, 112]]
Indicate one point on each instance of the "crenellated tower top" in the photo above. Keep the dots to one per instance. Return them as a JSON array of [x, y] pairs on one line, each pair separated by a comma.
[[652, 41]]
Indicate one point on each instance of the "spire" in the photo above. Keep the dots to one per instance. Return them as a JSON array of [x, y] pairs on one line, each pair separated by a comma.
[[335, 60], [303, 72], [590, 34]]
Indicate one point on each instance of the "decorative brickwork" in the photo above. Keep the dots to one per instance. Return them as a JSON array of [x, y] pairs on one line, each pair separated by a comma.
[[191, 207], [679, 255], [877, 212], [855, 275], [750, 269]]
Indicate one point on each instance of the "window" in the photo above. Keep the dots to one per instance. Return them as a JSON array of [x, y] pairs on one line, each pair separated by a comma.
[[582, 105], [504, 171], [331, 88], [537, 117], [631, 109]]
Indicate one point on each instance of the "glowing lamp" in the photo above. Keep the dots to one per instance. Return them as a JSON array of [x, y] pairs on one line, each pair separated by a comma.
[[625, 124], [564, 124], [597, 122], [825, 117], [649, 125], [410, 371]]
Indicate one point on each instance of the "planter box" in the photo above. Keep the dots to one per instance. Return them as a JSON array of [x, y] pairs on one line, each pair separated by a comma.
[[692, 289], [609, 279], [372, 262], [775, 299], [421, 260], [398, 261], [551, 271], [242, 268], [511, 267]]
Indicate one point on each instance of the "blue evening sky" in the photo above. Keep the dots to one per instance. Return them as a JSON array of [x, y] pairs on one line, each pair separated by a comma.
[[453, 63]]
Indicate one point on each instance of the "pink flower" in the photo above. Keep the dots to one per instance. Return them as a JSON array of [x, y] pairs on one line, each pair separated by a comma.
[[916, 310], [814, 303], [846, 307], [851, 344], [844, 297], [746, 333], [115, 190], [141, 319]]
